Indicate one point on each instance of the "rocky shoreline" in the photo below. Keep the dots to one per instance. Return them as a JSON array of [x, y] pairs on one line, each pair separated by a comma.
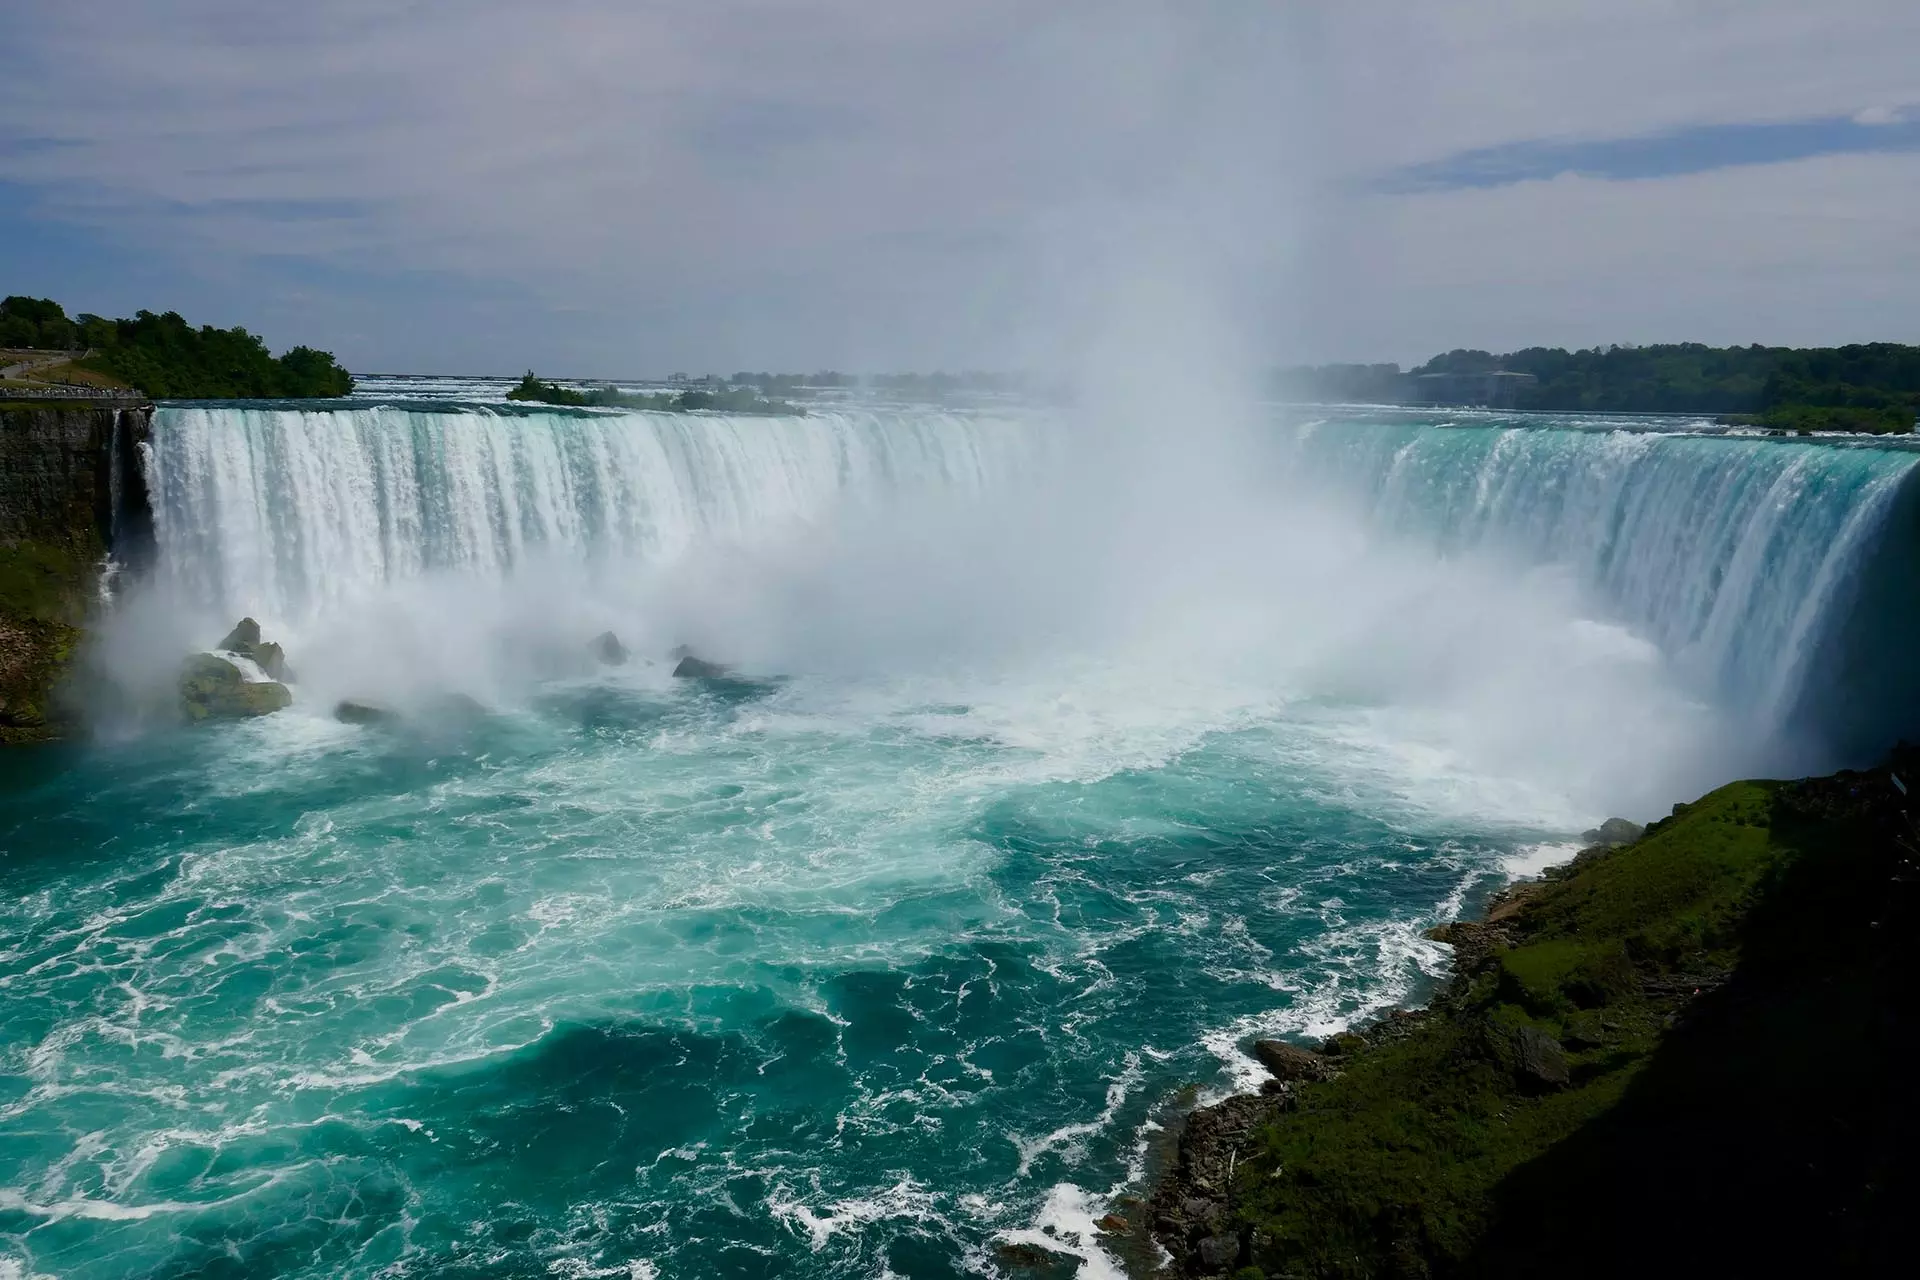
[[1477, 1136]]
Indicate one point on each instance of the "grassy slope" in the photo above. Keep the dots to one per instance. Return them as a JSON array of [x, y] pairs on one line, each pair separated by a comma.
[[1429, 1155]]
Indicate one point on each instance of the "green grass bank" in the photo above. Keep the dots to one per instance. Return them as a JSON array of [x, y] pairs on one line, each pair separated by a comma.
[[1686, 1055]]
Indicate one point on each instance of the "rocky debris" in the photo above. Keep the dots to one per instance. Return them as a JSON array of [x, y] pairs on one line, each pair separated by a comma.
[[347, 711], [1614, 831], [1510, 902], [1473, 942], [1190, 1204], [1538, 1060], [1289, 1062], [692, 668], [245, 640], [1217, 1253], [1114, 1225], [213, 688], [607, 649]]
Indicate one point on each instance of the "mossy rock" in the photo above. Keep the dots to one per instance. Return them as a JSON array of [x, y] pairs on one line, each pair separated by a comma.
[[34, 655], [212, 688]]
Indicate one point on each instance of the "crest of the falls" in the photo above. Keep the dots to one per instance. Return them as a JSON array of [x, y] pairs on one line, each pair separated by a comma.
[[1761, 568], [283, 512]]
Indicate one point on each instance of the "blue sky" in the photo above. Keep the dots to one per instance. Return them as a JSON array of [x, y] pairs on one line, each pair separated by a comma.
[[602, 187]]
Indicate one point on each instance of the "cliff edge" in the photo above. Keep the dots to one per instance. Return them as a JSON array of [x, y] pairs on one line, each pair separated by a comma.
[[71, 492]]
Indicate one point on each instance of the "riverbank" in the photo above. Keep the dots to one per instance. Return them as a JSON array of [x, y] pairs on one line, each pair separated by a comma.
[[1674, 1056]]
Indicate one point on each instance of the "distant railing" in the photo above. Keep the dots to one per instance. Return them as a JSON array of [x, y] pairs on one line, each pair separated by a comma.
[[62, 392]]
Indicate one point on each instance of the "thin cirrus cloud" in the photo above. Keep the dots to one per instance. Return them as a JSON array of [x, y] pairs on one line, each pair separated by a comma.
[[1668, 154]]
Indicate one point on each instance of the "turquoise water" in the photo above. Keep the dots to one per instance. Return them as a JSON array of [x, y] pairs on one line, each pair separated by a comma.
[[835, 969], [709, 981]]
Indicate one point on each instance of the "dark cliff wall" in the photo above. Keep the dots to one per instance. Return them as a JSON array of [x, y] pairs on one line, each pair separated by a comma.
[[71, 490]]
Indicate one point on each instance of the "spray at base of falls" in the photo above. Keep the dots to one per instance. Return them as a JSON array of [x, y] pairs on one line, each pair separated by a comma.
[[467, 542]]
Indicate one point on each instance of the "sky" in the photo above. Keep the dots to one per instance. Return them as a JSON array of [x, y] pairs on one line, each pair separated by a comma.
[[594, 188]]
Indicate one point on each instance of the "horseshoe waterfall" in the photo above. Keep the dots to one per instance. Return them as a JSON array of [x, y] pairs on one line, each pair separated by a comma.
[[1055, 759]]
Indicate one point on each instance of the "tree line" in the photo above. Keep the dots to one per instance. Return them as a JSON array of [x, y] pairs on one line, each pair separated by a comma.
[[168, 358], [1865, 387]]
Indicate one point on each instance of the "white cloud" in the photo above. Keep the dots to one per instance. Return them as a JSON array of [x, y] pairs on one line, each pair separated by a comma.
[[1416, 81], [857, 182], [1814, 252]]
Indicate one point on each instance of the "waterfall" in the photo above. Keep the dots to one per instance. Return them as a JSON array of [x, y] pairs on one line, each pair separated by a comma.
[[1776, 575], [1771, 572], [282, 512]]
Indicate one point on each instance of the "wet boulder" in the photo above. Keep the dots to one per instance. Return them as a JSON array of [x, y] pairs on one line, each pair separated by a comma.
[[692, 668], [245, 635], [607, 649], [347, 711], [1025, 1258], [245, 640], [213, 688], [1288, 1062]]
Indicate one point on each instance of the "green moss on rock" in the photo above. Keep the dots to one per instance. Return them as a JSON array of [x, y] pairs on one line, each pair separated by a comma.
[[1411, 1160], [211, 688]]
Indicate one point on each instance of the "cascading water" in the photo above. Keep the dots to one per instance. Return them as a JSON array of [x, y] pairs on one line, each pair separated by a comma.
[[894, 950], [286, 512], [1741, 558]]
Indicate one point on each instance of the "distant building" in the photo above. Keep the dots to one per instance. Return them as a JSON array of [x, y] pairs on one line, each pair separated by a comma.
[[1494, 389]]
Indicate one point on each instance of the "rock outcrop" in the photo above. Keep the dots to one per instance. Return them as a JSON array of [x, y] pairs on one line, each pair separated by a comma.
[[213, 688], [1614, 831], [1539, 1063], [692, 668], [347, 711], [71, 492], [1289, 1062], [607, 650], [245, 640]]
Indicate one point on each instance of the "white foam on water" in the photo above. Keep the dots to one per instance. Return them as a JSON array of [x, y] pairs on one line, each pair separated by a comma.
[[1068, 1137], [1530, 862], [905, 1199], [1067, 1223]]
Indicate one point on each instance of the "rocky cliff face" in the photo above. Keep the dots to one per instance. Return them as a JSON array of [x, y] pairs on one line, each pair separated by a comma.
[[71, 491]]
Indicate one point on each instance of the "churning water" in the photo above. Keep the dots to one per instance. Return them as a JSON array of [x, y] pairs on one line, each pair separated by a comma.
[[1041, 789]]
